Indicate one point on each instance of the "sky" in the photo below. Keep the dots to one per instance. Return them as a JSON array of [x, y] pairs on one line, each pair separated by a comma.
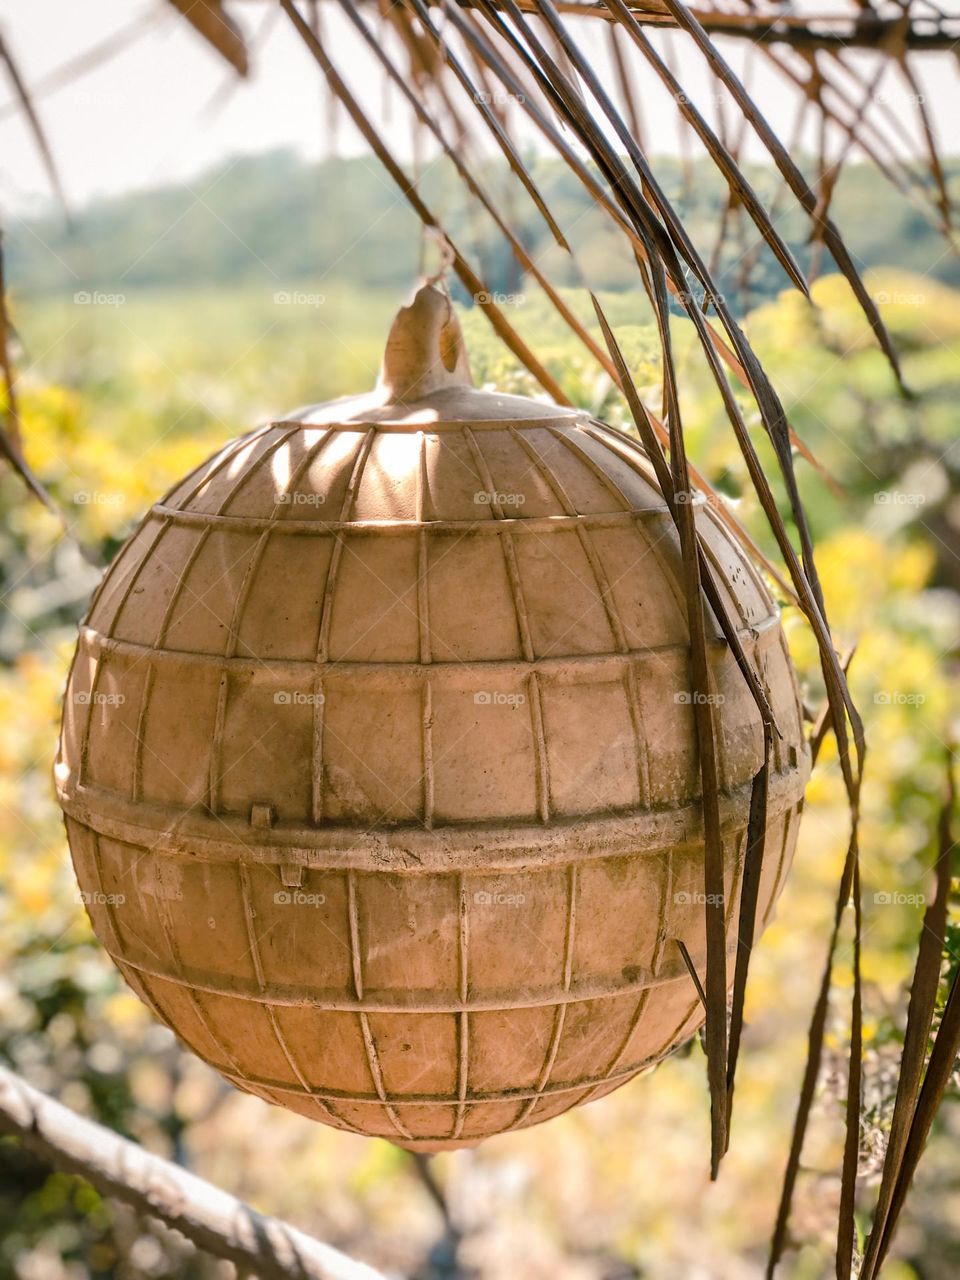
[[165, 107]]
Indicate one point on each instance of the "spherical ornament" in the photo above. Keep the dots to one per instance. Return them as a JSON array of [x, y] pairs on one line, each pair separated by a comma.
[[379, 762]]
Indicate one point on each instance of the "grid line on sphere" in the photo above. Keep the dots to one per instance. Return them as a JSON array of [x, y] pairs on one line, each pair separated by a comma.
[[136, 784], [503, 999], [502, 527], [317, 772], [316, 750], [426, 750], [326, 1111], [640, 744], [515, 1094], [541, 761], [369, 1042], [560, 1010], [463, 1017], [286, 666], [169, 932], [664, 886], [137, 984], [336, 555]]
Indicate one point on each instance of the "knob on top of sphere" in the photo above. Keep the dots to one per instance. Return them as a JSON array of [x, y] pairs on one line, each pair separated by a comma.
[[425, 378], [425, 351]]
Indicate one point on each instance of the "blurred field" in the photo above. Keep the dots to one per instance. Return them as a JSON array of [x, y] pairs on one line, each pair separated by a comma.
[[121, 398]]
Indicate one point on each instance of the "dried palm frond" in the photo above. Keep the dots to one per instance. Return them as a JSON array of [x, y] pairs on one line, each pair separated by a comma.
[[217, 27], [916, 1104]]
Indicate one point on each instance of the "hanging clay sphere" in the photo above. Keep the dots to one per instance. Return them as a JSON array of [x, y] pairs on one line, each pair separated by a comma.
[[379, 762]]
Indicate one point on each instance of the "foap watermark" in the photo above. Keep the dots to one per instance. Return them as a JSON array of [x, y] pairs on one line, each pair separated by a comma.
[[484, 297], [900, 298], [497, 698], [685, 899], [97, 498], [684, 100], [897, 698], [898, 899], [298, 298], [492, 898], [97, 898], [297, 698], [694, 498], [299, 498], [494, 498], [499, 98], [298, 898], [80, 97], [687, 298], [898, 498], [898, 99], [694, 697], [86, 698], [97, 298]]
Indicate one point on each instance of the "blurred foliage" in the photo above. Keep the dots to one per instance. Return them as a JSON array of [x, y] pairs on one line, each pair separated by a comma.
[[121, 400]]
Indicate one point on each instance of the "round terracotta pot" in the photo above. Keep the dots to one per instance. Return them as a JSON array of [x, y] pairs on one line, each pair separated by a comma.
[[378, 756]]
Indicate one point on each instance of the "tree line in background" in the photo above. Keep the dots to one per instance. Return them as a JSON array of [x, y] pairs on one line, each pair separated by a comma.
[[291, 220]]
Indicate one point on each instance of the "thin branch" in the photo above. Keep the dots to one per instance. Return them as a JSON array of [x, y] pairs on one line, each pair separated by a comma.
[[214, 1220]]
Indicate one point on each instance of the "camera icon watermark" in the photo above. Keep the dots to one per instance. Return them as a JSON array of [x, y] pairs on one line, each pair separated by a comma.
[[298, 298], [97, 898], [494, 498], [86, 698], [897, 498], [496, 698], [299, 498], [297, 698], [486, 296], [298, 898], [499, 98], [96, 298], [97, 498], [488, 898]]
